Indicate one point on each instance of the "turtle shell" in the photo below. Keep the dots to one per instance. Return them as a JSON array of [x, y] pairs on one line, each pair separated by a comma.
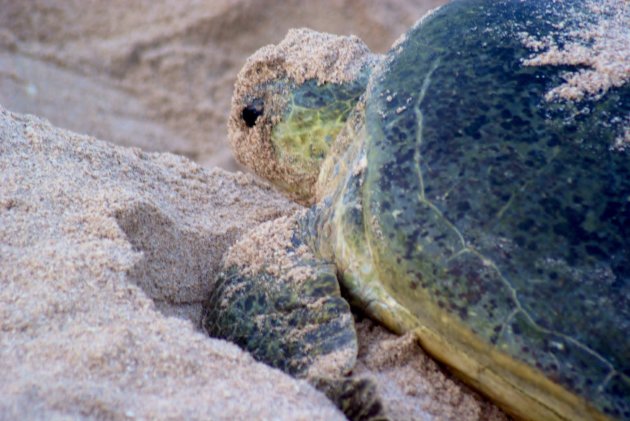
[[498, 212]]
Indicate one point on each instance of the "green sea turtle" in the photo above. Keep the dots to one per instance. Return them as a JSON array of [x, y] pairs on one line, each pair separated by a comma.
[[462, 188]]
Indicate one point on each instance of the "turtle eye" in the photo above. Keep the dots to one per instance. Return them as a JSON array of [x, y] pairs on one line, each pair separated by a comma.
[[252, 111]]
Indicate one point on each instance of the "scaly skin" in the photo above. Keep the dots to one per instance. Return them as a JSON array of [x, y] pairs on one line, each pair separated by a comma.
[[305, 121], [312, 119]]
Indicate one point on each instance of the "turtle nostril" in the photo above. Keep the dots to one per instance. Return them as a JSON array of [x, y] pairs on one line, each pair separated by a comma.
[[252, 111]]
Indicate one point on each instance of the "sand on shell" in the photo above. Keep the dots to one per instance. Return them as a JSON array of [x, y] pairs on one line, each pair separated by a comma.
[[597, 40]]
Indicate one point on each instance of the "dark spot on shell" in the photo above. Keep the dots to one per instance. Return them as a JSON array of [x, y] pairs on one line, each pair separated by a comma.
[[249, 301], [516, 329], [463, 206], [526, 225], [595, 251], [554, 140]]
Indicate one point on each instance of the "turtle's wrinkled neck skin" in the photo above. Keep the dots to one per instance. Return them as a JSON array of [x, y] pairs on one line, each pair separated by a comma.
[[305, 121]]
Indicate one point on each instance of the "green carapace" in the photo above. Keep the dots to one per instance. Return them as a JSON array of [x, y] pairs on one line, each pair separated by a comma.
[[471, 186]]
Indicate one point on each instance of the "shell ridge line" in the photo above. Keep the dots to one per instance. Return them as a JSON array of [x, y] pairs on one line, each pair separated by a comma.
[[419, 118], [610, 375], [466, 247], [507, 320], [416, 156], [534, 324], [524, 187]]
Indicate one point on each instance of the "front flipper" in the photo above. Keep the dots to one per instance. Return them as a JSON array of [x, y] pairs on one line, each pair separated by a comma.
[[283, 305], [357, 398]]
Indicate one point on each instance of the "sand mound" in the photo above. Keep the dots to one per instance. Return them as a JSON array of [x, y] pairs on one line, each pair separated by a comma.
[[90, 233], [411, 384]]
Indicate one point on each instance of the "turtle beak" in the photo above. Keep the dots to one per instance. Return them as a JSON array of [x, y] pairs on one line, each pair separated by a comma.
[[252, 111]]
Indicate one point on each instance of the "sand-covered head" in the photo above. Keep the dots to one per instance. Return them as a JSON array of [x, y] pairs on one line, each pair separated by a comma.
[[289, 103]]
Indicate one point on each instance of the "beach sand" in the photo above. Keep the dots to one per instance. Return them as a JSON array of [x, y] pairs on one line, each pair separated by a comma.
[[159, 74], [108, 247]]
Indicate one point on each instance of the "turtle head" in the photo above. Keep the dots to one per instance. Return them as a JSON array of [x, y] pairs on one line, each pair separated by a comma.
[[290, 102]]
